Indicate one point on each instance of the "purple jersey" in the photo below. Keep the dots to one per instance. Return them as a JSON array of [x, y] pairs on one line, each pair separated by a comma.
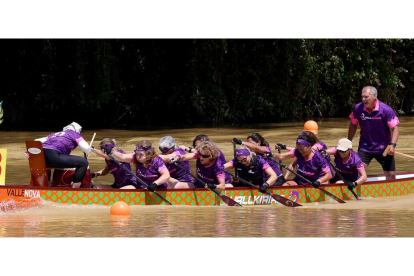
[[210, 173], [272, 164], [351, 168], [122, 177], [255, 172], [321, 146], [178, 173], [152, 173], [375, 126], [63, 142], [312, 169], [221, 157]]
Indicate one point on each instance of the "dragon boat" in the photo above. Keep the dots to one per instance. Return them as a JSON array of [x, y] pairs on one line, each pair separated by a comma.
[[40, 191]]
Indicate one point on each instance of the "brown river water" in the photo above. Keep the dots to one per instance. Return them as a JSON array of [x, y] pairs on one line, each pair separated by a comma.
[[383, 217]]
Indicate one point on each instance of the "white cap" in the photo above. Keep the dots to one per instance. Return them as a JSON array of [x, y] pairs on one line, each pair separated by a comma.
[[344, 144], [73, 126]]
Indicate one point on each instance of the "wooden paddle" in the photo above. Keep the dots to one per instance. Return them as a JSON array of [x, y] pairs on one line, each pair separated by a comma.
[[387, 149], [341, 177], [137, 178], [278, 198], [226, 199], [90, 145], [310, 182]]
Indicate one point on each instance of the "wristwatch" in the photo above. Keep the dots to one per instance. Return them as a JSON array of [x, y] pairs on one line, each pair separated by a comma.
[[394, 144]]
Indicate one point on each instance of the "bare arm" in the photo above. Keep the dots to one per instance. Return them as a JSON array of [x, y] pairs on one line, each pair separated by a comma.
[[221, 185], [101, 154], [122, 157], [282, 156], [291, 166], [104, 171], [167, 157], [272, 176], [352, 130], [165, 175], [255, 148], [362, 178], [326, 177], [228, 165], [186, 157], [395, 133]]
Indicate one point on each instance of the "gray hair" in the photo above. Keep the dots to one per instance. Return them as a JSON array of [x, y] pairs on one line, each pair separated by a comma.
[[373, 90], [167, 142]]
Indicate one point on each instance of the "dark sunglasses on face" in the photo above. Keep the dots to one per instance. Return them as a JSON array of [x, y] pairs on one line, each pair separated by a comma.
[[242, 161], [164, 150], [302, 149], [205, 156], [342, 151]]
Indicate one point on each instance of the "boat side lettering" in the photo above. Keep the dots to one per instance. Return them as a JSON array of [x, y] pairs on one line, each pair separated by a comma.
[[255, 200], [23, 193]]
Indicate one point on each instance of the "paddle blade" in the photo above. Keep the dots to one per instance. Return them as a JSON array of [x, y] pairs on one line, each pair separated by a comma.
[[332, 196], [284, 200], [162, 198], [229, 201]]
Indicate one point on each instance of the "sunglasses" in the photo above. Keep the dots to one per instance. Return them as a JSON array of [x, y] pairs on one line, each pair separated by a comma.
[[164, 150], [242, 161], [205, 156], [342, 151]]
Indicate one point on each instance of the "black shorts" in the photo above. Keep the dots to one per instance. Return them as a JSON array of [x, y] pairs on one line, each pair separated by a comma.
[[387, 162]]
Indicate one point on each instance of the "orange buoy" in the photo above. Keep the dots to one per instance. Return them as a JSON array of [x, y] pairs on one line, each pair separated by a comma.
[[311, 126], [120, 208]]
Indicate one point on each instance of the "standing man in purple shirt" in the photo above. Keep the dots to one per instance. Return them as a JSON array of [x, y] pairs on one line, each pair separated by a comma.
[[379, 128], [58, 146]]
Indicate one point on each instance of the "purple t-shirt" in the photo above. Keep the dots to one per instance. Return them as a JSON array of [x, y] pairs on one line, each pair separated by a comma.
[[255, 172], [210, 173], [63, 142], [272, 164], [152, 173], [122, 177], [321, 146], [351, 168], [312, 169], [375, 126], [221, 157], [178, 173]]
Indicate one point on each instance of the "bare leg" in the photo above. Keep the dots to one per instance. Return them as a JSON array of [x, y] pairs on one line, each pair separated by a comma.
[[290, 183], [175, 184], [128, 187]]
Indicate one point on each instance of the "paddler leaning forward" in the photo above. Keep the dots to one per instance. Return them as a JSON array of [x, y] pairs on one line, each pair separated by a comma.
[[209, 167], [150, 168], [310, 163]]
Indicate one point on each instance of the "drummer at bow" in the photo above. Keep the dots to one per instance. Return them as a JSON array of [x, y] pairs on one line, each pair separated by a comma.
[[58, 146]]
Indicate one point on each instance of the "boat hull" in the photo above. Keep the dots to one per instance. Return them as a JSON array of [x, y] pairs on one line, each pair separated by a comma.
[[15, 196]]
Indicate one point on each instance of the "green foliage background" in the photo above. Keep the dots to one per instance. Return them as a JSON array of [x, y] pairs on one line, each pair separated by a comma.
[[118, 83]]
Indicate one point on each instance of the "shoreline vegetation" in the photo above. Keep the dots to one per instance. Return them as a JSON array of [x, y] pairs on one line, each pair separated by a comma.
[[141, 83]]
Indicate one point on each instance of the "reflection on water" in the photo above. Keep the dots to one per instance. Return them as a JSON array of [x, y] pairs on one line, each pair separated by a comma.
[[384, 217], [313, 220]]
